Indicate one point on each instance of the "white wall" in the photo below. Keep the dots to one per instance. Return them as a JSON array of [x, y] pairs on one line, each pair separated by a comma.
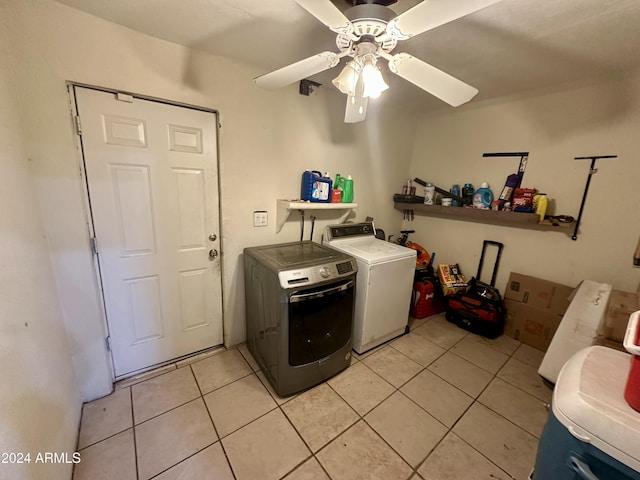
[[600, 117], [39, 398], [267, 140]]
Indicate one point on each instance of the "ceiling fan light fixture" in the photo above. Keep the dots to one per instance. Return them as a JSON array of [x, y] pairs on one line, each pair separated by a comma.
[[347, 79], [369, 31], [374, 83]]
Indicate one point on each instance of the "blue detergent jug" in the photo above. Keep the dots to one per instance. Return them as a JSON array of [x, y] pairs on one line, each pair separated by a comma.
[[483, 197], [315, 187]]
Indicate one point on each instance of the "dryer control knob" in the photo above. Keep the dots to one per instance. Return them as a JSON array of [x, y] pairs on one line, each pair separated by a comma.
[[325, 272]]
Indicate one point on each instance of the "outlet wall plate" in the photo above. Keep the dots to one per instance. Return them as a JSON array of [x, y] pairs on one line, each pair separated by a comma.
[[260, 218]]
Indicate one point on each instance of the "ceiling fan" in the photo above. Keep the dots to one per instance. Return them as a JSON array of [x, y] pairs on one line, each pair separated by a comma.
[[368, 32]]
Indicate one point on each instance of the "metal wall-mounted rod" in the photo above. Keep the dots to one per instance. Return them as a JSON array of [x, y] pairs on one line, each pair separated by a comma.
[[592, 170]]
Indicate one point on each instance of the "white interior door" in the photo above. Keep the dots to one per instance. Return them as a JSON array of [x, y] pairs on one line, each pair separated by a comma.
[[152, 178]]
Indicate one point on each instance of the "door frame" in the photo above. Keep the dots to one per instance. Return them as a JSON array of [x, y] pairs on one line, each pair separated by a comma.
[[75, 128]]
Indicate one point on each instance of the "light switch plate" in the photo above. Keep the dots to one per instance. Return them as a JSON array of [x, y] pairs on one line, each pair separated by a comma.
[[260, 218]]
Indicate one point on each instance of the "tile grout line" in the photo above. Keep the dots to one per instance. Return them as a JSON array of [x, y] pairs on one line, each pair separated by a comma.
[[133, 428], [219, 439], [73, 469], [313, 455], [106, 438]]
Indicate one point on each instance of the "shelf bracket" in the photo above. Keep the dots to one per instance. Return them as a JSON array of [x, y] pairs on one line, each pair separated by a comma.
[[285, 207]]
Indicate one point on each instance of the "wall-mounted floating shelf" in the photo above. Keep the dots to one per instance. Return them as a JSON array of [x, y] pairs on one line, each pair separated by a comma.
[[492, 217], [286, 206]]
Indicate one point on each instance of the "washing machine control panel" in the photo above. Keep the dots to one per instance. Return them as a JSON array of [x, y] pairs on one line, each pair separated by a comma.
[[316, 274], [350, 230]]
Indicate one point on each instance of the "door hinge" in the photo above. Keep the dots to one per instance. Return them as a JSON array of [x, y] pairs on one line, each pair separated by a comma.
[[108, 342], [78, 124], [94, 245]]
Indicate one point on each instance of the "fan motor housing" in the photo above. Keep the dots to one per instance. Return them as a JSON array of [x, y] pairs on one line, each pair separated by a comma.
[[368, 20], [370, 11], [386, 3]]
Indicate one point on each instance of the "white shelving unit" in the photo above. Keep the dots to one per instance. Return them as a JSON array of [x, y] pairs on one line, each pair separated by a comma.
[[286, 206]]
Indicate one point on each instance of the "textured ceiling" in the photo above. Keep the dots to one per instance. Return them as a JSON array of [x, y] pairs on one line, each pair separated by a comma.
[[509, 47]]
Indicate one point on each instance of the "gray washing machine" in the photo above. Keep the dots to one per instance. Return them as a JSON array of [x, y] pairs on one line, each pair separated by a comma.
[[299, 300]]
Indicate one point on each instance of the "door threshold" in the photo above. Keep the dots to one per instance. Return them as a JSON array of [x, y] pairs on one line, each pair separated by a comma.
[[143, 374]]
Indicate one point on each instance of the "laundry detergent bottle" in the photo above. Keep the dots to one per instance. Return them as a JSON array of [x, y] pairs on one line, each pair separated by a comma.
[[347, 192], [483, 197], [315, 187]]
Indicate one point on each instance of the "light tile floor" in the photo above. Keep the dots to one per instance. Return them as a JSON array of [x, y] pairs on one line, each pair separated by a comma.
[[438, 403]]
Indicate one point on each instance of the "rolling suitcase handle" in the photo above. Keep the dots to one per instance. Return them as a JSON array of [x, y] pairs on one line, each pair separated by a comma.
[[485, 244]]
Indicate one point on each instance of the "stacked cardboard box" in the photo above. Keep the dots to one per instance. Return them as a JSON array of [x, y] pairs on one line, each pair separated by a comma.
[[620, 307], [534, 309]]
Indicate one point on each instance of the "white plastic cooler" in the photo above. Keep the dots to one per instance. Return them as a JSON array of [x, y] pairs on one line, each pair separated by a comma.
[[592, 433]]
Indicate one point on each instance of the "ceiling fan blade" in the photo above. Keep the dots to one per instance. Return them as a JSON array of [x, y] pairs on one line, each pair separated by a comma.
[[297, 71], [356, 111], [431, 14], [327, 13], [438, 83]]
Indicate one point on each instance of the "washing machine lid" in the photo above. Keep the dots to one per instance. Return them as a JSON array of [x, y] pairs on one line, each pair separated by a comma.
[[588, 399], [359, 240], [295, 254], [372, 250]]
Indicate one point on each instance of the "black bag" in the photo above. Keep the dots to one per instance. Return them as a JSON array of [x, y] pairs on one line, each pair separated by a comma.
[[480, 309]]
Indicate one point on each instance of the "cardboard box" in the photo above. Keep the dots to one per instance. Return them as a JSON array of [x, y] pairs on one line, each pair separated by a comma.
[[452, 280], [531, 325], [538, 293], [621, 305], [534, 309]]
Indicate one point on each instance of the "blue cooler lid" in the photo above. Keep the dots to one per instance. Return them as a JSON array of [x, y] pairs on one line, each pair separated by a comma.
[[588, 400]]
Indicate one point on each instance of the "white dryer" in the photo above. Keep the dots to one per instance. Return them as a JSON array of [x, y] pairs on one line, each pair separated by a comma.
[[384, 283]]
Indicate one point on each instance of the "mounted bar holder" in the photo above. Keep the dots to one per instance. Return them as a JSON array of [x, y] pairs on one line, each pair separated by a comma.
[[592, 171], [524, 157]]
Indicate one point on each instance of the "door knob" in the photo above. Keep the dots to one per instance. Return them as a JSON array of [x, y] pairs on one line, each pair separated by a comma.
[[213, 237], [213, 253]]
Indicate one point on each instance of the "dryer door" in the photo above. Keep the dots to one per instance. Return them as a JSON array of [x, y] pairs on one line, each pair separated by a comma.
[[320, 321]]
